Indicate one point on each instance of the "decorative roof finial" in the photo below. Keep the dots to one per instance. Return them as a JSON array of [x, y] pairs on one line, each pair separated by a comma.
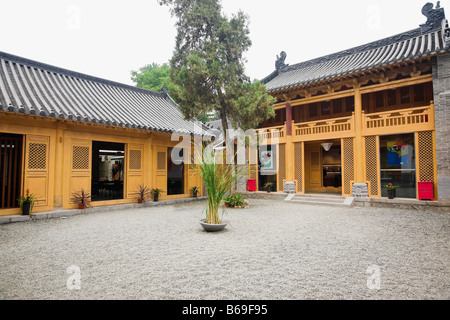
[[279, 64], [434, 16]]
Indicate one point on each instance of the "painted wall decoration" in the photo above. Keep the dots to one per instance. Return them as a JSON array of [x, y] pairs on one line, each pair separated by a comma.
[[267, 160], [398, 153]]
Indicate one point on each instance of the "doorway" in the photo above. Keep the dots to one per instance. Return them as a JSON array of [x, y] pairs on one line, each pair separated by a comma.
[[10, 169], [175, 171], [107, 171], [323, 168]]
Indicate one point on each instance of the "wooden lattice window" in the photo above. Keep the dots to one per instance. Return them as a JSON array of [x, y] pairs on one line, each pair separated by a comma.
[[161, 161], [80, 158], [349, 165], [37, 156], [298, 165], [281, 166], [426, 156], [135, 159], [372, 164]]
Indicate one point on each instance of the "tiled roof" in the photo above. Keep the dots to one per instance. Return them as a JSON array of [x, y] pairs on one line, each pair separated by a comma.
[[30, 87], [407, 46]]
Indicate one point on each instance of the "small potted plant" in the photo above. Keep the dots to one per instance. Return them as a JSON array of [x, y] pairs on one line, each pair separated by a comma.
[[194, 191], [238, 201], [82, 198], [143, 193], [227, 201], [27, 202], [391, 190], [156, 193], [268, 186]]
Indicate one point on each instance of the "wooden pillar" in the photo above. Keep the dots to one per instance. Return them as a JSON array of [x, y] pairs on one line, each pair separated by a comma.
[[359, 146], [59, 166], [288, 119], [290, 173]]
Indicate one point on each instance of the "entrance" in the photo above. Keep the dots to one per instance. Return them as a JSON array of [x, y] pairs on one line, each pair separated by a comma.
[[107, 170], [10, 170], [175, 172], [323, 168]]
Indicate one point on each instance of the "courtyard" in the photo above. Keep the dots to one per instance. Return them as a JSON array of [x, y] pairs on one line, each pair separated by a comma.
[[270, 251]]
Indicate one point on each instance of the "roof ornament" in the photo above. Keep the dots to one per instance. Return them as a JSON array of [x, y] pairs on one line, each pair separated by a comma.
[[434, 16], [446, 33], [164, 91], [279, 64]]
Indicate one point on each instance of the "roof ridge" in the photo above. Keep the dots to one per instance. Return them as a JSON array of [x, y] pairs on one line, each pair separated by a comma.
[[75, 74], [358, 49]]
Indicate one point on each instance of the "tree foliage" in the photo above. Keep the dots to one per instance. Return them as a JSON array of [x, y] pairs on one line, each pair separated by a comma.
[[207, 69], [152, 76]]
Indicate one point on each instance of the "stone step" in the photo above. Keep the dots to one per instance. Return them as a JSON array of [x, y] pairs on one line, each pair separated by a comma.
[[317, 199]]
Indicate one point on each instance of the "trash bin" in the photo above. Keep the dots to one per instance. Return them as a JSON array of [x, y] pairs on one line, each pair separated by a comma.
[[426, 191], [251, 185]]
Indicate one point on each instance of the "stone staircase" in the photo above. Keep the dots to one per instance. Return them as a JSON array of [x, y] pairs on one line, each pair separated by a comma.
[[321, 199]]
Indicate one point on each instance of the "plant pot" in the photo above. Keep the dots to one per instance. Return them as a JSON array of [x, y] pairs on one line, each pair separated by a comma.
[[26, 208], [268, 190], [213, 227], [155, 197], [140, 201], [391, 194], [194, 194], [227, 205], [81, 206]]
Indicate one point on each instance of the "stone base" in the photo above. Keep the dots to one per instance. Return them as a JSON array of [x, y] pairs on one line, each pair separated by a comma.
[[360, 190], [289, 187]]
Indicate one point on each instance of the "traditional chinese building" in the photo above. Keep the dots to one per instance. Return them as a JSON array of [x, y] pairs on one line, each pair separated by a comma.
[[63, 131], [352, 122]]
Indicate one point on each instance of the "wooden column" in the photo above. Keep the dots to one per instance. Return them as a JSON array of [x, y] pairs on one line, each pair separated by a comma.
[[290, 174], [359, 146], [59, 166]]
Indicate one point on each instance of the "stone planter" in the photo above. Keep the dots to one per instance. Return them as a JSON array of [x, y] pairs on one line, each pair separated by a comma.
[[213, 227]]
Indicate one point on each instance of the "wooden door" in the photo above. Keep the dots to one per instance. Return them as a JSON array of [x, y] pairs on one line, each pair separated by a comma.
[[36, 178], [80, 166], [314, 172], [160, 165], [135, 172]]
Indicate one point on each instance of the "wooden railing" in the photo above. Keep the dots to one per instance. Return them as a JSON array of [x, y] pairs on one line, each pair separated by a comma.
[[272, 133], [325, 129], [398, 121]]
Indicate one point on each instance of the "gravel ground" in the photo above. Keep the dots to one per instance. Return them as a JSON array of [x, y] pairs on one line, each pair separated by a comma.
[[271, 251]]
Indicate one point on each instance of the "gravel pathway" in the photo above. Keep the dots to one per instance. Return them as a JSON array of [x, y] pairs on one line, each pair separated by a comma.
[[271, 251]]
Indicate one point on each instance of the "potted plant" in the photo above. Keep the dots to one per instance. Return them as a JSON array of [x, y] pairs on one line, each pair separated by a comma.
[[268, 186], [143, 193], [218, 180], [194, 191], [156, 193], [228, 200], [82, 198], [391, 190], [27, 202], [238, 201]]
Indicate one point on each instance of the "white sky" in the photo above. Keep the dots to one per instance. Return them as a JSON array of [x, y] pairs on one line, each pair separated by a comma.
[[109, 38]]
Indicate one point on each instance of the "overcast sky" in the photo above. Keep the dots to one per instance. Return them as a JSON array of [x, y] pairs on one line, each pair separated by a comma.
[[110, 38]]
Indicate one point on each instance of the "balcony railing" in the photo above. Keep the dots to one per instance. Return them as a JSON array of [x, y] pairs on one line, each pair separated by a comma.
[[272, 133], [398, 121], [325, 129]]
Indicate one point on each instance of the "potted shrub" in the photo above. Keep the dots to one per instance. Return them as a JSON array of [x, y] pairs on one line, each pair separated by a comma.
[[218, 180], [268, 186], [228, 200], [238, 201], [143, 193], [156, 193], [194, 191], [82, 198], [27, 202], [391, 190]]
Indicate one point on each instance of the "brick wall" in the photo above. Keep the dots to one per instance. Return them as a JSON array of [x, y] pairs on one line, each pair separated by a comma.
[[441, 86]]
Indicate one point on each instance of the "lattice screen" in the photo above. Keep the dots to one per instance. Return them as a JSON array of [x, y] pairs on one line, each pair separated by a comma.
[[161, 161], [37, 156], [80, 158], [372, 165], [348, 165], [281, 166], [426, 157], [135, 160], [298, 166]]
